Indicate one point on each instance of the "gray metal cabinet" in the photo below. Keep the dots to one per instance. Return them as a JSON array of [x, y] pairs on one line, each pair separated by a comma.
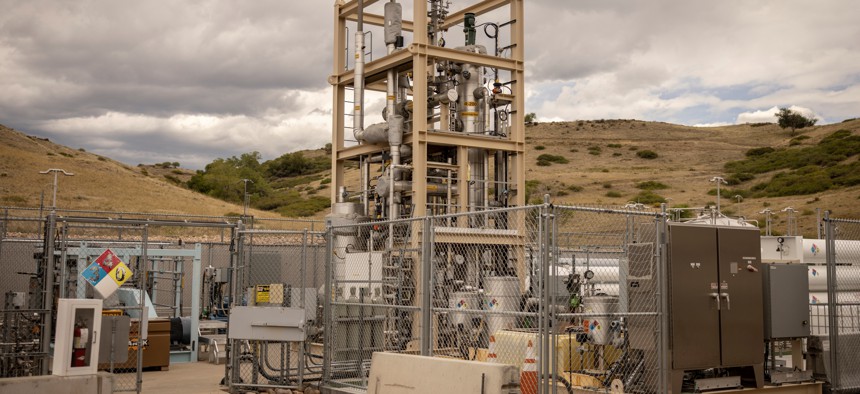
[[715, 298]]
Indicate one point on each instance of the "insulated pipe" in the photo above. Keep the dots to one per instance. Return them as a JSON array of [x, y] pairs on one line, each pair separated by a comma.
[[393, 28], [358, 85]]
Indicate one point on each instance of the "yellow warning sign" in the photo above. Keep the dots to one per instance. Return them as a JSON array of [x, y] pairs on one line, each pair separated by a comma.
[[120, 273], [262, 294]]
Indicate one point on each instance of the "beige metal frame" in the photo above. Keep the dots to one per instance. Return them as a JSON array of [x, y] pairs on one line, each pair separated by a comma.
[[416, 57]]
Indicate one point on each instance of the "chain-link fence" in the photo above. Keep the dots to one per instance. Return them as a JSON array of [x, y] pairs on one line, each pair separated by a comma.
[[580, 285], [278, 276], [23, 313], [836, 349]]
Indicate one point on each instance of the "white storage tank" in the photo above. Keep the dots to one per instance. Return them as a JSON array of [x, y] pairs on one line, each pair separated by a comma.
[[599, 326], [501, 294]]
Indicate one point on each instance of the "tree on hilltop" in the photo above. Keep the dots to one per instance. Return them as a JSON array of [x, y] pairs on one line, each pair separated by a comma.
[[793, 120]]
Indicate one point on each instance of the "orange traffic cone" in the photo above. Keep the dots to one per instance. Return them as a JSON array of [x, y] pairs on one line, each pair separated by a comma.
[[491, 350], [529, 372]]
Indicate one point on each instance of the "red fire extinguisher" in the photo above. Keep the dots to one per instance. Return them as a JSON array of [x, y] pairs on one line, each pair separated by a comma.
[[79, 347]]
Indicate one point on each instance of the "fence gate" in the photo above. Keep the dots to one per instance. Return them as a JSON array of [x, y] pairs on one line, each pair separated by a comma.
[[278, 277], [842, 353]]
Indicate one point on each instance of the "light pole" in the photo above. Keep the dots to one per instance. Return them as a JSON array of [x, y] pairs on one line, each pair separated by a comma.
[[245, 196], [56, 171], [718, 180]]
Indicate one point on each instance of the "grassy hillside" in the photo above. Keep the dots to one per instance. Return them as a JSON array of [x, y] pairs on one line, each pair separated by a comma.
[[99, 183], [607, 162]]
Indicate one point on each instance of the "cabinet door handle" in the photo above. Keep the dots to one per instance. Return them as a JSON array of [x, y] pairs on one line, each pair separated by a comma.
[[716, 296], [728, 301]]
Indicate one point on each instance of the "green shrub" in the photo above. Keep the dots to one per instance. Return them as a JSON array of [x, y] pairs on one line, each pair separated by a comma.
[[174, 180], [574, 150], [633, 148], [607, 185], [651, 185], [616, 154], [594, 150], [759, 151], [648, 197], [325, 181], [64, 154], [552, 159], [543, 163], [736, 179], [613, 145], [144, 172], [102, 158], [613, 194], [177, 172], [575, 188], [647, 154], [798, 140], [540, 147]]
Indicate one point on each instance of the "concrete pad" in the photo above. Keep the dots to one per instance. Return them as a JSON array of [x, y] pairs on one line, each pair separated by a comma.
[[187, 378], [83, 384]]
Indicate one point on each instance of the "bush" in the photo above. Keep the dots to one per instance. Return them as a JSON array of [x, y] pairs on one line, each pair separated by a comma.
[[293, 164], [575, 188], [552, 159], [540, 147], [616, 154], [172, 179], [648, 197], [325, 181], [613, 145], [759, 151], [607, 185], [613, 194], [647, 154], [798, 140], [651, 185], [594, 150], [633, 148]]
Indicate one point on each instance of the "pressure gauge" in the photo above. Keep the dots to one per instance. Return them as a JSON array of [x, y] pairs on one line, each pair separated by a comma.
[[589, 274], [459, 259]]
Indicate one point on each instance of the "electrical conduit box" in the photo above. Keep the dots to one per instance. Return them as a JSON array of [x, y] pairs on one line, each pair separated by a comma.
[[267, 323]]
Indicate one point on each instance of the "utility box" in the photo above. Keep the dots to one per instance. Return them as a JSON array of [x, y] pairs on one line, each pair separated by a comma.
[[267, 324], [76, 347], [716, 311], [786, 301]]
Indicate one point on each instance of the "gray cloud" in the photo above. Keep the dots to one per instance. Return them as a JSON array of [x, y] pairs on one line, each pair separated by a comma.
[[190, 81]]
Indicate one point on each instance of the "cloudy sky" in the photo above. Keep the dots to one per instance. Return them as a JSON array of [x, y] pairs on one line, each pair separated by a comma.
[[189, 81]]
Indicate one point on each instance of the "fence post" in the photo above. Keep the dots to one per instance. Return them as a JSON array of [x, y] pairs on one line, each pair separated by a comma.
[[328, 335], [663, 289], [832, 303], [427, 287], [48, 291]]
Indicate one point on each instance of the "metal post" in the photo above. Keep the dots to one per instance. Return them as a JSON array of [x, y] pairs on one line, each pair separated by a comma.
[[428, 285], [142, 330], [832, 307], [302, 268], [663, 297], [552, 236], [327, 311], [48, 291], [818, 222], [64, 266]]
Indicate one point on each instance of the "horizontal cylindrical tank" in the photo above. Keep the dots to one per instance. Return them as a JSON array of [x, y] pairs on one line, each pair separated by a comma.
[[501, 294], [815, 251], [599, 326], [847, 278], [464, 300], [843, 297]]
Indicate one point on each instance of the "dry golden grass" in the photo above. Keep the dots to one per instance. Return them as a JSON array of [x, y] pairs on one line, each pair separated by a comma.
[[688, 158], [99, 183]]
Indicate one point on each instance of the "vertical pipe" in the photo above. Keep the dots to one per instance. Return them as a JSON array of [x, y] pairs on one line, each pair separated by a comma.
[[358, 85]]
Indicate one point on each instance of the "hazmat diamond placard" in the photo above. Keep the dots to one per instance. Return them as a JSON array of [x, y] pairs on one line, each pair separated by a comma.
[[107, 265], [120, 273]]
